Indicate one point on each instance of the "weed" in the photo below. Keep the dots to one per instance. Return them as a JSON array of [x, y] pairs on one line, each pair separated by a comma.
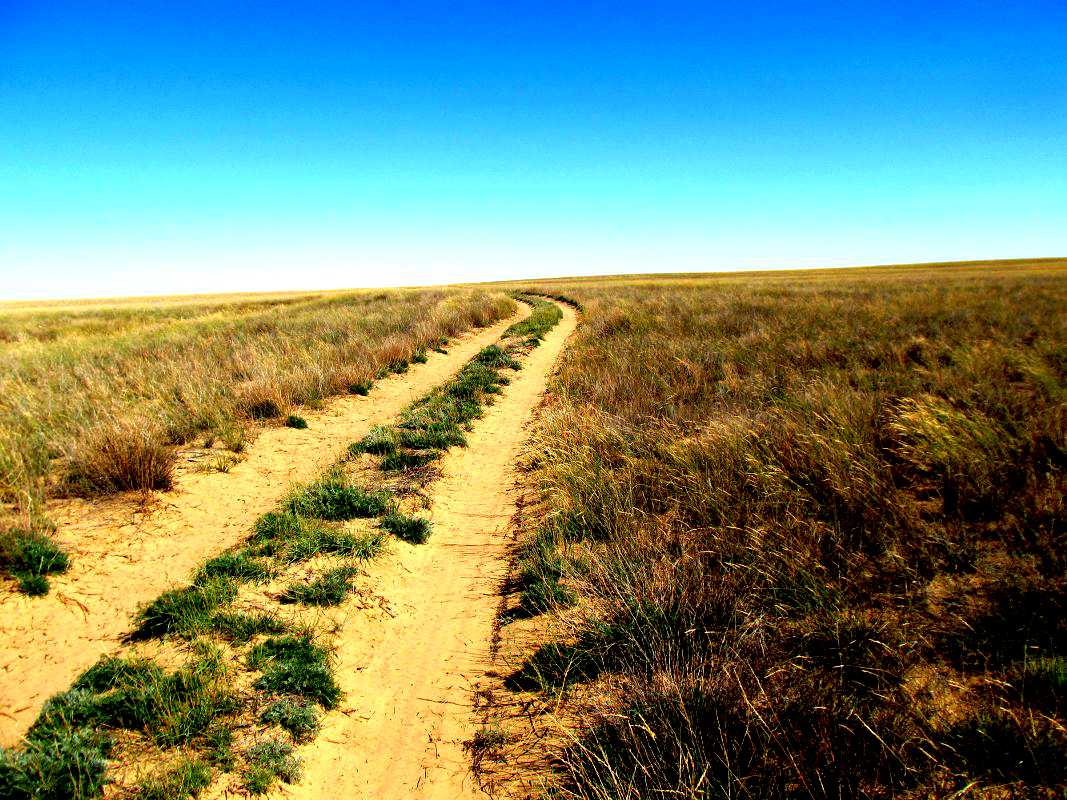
[[295, 665], [301, 720], [329, 589], [268, 762], [218, 746], [184, 780], [293, 421], [414, 530]]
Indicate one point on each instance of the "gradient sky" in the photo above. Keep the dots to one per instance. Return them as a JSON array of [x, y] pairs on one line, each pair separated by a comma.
[[180, 147]]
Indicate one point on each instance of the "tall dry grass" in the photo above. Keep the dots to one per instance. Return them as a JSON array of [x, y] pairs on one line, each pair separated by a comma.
[[92, 398], [815, 528]]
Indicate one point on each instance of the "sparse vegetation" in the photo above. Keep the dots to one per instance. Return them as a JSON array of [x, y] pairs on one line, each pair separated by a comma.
[[184, 780], [821, 522], [293, 421]]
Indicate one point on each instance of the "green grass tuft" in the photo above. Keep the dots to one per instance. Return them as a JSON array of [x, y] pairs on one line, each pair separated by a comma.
[[184, 780], [415, 530], [329, 589], [295, 665], [293, 421], [268, 762], [301, 720]]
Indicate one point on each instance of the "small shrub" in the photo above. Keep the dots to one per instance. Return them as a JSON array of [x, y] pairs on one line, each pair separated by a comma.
[[268, 762], [293, 421], [295, 665], [329, 589], [184, 780], [419, 357], [415, 530], [301, 720]]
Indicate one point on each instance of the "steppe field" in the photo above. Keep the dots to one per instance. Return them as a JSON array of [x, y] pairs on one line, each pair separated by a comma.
[[796, 534]]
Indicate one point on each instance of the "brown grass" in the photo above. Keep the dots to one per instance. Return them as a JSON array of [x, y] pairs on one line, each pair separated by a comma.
[[815, 525], [91, 396]]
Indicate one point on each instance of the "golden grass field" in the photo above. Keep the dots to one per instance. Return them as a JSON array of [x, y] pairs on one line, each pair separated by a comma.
[[794, 534], [804, 535]]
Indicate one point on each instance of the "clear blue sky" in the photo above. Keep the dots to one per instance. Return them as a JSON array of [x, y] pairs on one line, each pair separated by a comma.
[[185, 146]]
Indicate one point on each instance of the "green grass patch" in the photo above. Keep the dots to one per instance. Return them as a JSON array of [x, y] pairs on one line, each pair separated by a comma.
[[29, 556], [270, 761], [293, 421], [329, 589], [300, 719], [240, 627], [295, 665], [184, 780], [184, 612], [414, 530], [333, 499]]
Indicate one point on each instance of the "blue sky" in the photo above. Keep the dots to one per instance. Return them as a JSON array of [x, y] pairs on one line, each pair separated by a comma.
[[180, 147]]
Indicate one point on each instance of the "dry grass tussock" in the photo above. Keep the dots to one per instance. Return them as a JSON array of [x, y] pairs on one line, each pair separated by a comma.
[[92, 399], [817, 526]]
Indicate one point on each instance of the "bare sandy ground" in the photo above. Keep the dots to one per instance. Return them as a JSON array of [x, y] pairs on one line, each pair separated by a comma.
[[126, 552], [408, 670]]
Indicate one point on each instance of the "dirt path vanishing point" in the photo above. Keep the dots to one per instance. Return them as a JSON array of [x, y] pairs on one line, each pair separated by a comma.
[[408, 671], [125, 553]]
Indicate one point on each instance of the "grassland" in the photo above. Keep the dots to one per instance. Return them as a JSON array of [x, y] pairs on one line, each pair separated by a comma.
[[804, 535], [94, 397], [222, 679]]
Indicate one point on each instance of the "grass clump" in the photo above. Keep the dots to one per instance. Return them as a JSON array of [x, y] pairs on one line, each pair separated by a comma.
[[301, 720], [414, 530], [240, 627], [329, 589], [268, 762], [29, 557], [184, 780], [295, 665], [71, 765], [122, 456], [361, 388], [332, 498], [184, 612], [294, 421], [239, 566]]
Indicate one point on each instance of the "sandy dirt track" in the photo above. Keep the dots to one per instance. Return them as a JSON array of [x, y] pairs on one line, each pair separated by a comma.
[[408, 672], [125, 553]]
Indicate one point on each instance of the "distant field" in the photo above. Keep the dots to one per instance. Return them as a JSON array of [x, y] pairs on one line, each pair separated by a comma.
[[94, 393], [804, 535]]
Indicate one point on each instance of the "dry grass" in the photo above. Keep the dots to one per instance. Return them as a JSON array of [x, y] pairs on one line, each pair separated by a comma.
[[815, 526], [92, 396]]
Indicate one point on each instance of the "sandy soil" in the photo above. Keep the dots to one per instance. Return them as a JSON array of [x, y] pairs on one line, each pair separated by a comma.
[[409, 670], [126, 551]]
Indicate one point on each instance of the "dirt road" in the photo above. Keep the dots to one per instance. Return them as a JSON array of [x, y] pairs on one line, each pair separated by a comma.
[[125, 554], [407, 671]]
